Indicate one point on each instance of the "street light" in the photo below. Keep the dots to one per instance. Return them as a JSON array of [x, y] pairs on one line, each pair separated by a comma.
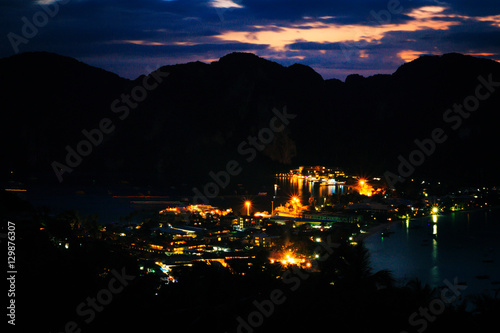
[[247, 204]]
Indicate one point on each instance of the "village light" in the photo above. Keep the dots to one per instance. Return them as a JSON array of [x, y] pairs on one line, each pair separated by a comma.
[[248, 204]]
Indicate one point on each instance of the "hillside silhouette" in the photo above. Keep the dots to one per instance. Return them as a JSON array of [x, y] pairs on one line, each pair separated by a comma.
[[199, 114]]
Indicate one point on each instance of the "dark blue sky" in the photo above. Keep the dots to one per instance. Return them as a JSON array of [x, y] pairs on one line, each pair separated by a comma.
[[335, 37]]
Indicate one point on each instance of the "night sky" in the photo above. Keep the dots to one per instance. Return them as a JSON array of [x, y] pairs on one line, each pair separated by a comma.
[[335, 37]]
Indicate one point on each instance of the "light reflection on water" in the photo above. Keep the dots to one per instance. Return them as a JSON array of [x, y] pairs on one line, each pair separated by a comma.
[[463, 245], [304, 189]]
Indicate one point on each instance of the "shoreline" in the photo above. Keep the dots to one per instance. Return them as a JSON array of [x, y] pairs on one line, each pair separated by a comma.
[[374, 230], [386, 225], [431, 263]]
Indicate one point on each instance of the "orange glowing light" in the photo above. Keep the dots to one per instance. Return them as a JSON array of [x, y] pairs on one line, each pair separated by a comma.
[[289, 258], [248, 204], [364, 188]]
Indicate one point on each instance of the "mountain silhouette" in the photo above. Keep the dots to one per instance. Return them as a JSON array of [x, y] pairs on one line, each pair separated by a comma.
[[198, 116]]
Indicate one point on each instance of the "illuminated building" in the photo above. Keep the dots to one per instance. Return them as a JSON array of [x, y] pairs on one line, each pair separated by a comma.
[[263, 240], [229, 220], [293, 208], [246, 222], [332, 217]]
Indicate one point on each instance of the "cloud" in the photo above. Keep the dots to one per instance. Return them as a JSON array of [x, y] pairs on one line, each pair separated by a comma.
[[225, 4], [279, 38], [475, 8], [319, 33]]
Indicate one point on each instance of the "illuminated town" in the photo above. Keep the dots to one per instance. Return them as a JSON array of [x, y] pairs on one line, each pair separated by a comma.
[[236, 166], [310, 225], [181, 234]]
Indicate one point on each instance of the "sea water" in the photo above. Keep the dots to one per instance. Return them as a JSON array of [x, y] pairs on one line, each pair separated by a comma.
[[462, 245]]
